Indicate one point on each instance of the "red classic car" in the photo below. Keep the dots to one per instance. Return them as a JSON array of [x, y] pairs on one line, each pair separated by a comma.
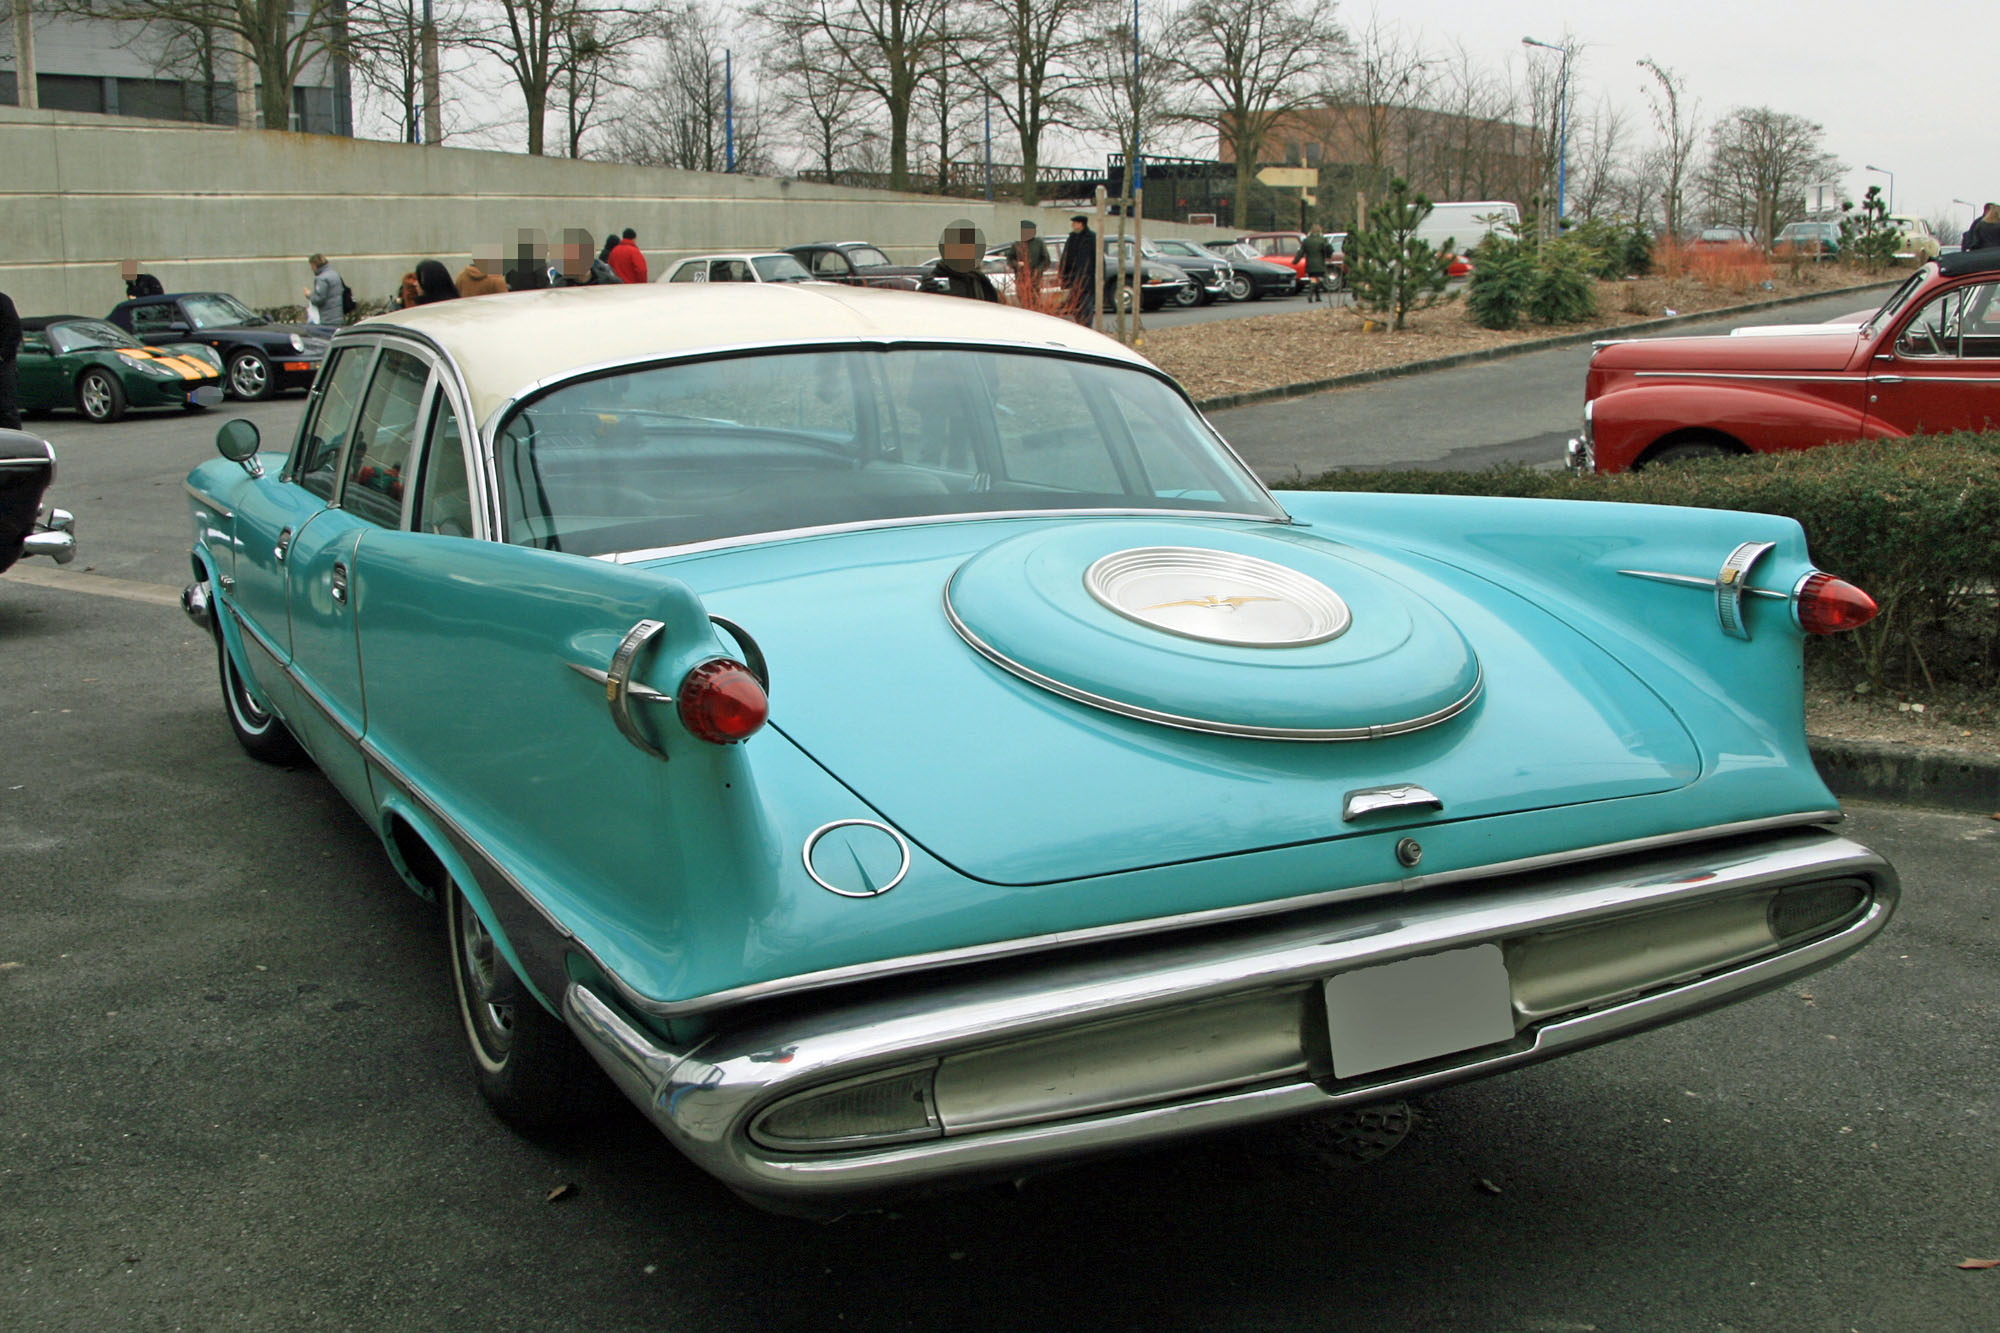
[[1927, 361]]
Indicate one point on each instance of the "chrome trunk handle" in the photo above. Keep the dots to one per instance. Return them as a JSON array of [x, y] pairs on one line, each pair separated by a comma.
[[284, 545], [340, 582]]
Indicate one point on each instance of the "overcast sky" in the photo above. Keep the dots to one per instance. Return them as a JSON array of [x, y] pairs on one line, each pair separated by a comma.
[[1904, 87]]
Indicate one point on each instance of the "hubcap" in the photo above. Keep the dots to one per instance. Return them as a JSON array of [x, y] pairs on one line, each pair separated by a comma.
[[96, 396], [247, 376], [478, 969]]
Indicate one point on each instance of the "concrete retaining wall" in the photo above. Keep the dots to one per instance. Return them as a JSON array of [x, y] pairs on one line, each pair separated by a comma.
[[238, 210]]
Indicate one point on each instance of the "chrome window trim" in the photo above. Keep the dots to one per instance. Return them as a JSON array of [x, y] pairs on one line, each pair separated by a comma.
[[480, 477], [920, 520]]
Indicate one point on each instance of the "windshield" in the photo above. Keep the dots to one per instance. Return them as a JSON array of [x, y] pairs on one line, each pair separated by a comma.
[[216, 311], [1899, 298], [780, 268], [661, 456], [82, 334]]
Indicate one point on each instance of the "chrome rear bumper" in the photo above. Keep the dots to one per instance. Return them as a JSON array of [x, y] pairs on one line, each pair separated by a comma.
[[54, 537], [1073, 1056]]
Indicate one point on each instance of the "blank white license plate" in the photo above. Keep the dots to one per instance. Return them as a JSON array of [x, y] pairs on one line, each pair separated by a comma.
[[1418, 1009], [208, 395]]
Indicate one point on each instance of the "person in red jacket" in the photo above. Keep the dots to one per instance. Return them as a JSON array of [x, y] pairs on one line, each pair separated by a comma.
[[627, 260]]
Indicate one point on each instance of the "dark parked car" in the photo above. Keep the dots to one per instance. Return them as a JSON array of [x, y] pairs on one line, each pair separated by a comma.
[[1159, 282], [27, 469], [1253, 277], [857, 264], [101, 370], [1208, 275], [261, 357], [1815, 240]]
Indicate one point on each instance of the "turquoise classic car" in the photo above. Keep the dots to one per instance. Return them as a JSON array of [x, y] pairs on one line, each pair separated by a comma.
[[900, 744]]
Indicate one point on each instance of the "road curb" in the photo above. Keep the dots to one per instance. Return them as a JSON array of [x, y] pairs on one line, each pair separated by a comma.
[[1908, 775], [1222, 402]]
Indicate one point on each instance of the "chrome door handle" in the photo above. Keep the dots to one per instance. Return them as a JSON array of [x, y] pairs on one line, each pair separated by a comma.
[[619, 691], [284, 545], [1888, 379], [339, 582], [1364, 801]]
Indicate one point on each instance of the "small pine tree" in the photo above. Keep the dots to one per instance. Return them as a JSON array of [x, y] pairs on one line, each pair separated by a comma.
[[1389, 270], [1866, 236]]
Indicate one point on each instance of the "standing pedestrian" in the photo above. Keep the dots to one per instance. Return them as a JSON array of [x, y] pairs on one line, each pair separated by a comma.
[[627, 260], [139, 284], [326, 298], [10, 349], [531, 262], [1984, 233], [961, 252], [1318, 253], [1079, 271], [482, 277], [1030, 261], [434, 283]]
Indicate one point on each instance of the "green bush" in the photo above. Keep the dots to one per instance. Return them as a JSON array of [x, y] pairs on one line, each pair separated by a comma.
[[1616, 249], [1564, 292], [1389, 270], [1517, 278], [1909, 522]]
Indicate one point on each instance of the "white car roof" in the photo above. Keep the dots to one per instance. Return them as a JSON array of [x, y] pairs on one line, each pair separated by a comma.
[[504, 345]]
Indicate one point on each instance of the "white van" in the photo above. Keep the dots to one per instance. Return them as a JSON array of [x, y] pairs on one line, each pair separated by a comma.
[[1465, 225]]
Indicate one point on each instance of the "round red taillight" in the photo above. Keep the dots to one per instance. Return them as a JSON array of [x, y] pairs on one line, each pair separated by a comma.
[[721, 702], [1827, 605]]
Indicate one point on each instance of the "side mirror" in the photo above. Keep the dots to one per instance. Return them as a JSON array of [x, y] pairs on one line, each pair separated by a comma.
[[237, 442]]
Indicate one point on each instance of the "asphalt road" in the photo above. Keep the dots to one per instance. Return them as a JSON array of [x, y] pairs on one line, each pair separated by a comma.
[[235, 1094], [1516, 409]]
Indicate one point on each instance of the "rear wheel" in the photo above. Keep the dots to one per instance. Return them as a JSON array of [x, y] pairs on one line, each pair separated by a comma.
[[1188, 296], [100, 396], [528, 1067], [259, 732], [1687, 451], [249, 376]]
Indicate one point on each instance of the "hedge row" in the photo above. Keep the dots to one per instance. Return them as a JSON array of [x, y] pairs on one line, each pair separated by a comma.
[[1916, 523]]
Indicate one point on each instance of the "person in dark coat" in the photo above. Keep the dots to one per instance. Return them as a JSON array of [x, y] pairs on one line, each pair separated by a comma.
[[961, 252], [530, 271], [434, 283], [1984, 233], [1079, 270], [1318, 252], [1030, 257], [139, 284], [10, 349]]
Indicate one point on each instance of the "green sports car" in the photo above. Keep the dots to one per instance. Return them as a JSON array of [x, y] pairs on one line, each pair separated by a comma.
[[101, 370]]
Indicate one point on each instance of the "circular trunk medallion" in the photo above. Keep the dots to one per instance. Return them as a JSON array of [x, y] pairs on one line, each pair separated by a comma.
[[1218, 596]]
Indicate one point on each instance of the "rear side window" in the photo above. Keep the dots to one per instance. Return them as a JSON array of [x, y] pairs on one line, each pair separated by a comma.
[[385, 434], [335, 402]]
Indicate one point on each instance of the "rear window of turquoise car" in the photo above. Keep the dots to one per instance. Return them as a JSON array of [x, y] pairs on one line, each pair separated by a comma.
[[662, 456]]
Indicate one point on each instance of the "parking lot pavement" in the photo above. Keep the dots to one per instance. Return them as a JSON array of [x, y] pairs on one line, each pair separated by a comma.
[[235, 1098]]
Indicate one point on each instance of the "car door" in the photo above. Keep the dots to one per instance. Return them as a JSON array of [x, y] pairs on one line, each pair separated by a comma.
[[375, 464], [1941, 369], [268, 516], [38, 380], [832, 266], [153, 322]]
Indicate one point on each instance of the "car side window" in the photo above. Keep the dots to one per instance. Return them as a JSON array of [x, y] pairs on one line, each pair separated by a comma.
[[385, 435], [1959, 323], [730, 270], [445, 505], [694, 270], [335, 400], [830, 264], [151, 318]]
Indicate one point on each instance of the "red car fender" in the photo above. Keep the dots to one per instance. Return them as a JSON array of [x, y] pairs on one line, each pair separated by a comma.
[[1764, 417]]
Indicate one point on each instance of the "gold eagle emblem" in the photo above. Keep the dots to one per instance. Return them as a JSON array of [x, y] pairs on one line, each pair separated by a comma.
[[1212, 602]]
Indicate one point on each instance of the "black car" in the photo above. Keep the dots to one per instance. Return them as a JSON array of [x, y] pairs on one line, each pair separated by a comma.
[[1209, 274], [258, 356], [1254, 277], [1159, 282], [857, 264], [27, 467]]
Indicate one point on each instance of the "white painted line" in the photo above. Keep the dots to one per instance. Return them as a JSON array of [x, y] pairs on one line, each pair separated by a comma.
[[98, 585]]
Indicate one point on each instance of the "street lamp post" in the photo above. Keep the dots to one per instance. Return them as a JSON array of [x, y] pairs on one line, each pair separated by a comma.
[[1892, 184], [1562, 123]]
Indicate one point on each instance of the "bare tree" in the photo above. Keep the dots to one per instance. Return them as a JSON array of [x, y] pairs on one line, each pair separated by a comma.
[[1760, 162], [1484, 152], [884, 49], [679, 113], [561, 45], [1247, 67], [1598, 165], [1551, 107], [387, 41], [280, 37], [1672, 163], [1033, 67], [821, 106], [1388, 75]]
